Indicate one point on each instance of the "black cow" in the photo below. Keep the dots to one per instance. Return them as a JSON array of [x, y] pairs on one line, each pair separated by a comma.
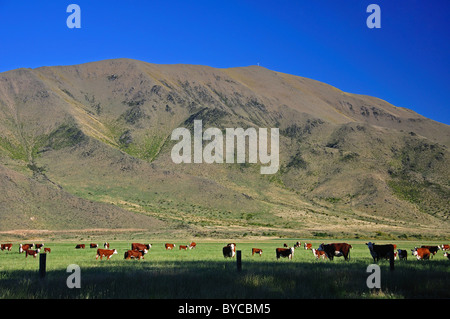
[[381, 251], [336, 249], [229, 250]]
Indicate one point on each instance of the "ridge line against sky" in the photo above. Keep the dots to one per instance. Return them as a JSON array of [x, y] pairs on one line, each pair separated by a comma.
[[406, 62]]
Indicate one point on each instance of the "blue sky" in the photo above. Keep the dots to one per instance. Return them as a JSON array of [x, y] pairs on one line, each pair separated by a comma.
[[406, 62]]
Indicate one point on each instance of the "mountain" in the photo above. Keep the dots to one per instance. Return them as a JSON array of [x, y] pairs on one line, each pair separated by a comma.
[[89, 146]]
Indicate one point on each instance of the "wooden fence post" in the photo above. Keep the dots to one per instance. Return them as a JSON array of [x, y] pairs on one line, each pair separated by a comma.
[[42, 264], [238, 260], [391, 260]]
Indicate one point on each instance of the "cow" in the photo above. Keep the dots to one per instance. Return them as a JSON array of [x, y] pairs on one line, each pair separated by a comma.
[[445, 247], [137, 246], [192, 245], [307, 246], [25, 247], [285, 245], [433, 249], [31, 252], [183, 247], [106, 245], [229, 250], [137, 254], [256, 251], [402, 254], [6, 247], [284, 252], [319, 253], [421, 253], [297, 244], [80, 246], [105, 253], [47, 250], [381, 251], [170, 246], [92, 245], [447, 255], [336, 250], [38, 246]]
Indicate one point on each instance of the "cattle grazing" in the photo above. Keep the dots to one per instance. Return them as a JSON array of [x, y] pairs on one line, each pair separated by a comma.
[[421, 253], [192, 245], [256, 251], [297, 244], [169, 246], [336, 250], [402, 254], [137, 246], [105, 253], [92, 245], [319, 253], [47, 250], [80, 246], [445, 247], [106, 245], [6, 247], [381, 251], [38, 246], [136, 254], [284, 252], [183, 247], [25, 247], [31, 252], [433, 249], [229, 250], [307, 246], [447, 255]]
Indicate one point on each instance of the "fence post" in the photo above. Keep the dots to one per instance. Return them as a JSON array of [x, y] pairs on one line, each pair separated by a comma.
[[391, 260], [42, 264], [238, 260]]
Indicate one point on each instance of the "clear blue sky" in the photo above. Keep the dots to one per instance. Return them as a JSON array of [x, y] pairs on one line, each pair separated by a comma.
[[406, 62]]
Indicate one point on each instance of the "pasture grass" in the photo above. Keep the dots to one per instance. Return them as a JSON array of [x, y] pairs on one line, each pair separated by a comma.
[[203, 273]]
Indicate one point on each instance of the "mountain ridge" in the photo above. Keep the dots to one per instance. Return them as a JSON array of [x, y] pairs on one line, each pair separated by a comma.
[[96, 129]]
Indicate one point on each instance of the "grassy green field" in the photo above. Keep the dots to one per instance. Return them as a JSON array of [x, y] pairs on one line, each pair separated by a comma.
[[204, 273]]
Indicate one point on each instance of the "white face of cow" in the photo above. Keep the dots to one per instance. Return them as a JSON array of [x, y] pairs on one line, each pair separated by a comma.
[[115, 251]]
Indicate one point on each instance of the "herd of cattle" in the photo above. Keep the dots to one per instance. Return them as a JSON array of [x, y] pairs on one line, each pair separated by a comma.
[[325, 251]]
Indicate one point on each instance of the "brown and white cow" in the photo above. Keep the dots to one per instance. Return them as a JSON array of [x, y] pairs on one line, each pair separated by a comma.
[[31, 252], [92, 245], [138, 246], [106, 245], [421, 253], [381, 251], [284, 252], [229, 250], [6, 246], [183, 247], [445, 247], [256, 251], [446, 254], [47, 250], [307, 246], [105, 253], [169, 246], [319, 253], [38, 246], [80, 246], [433, 249], [192, 245], [336, 250], [25, 247], [297, 244], [137, 254]]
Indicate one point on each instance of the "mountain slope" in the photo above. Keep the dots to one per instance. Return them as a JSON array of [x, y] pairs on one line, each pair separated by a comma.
[[350, 164]]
